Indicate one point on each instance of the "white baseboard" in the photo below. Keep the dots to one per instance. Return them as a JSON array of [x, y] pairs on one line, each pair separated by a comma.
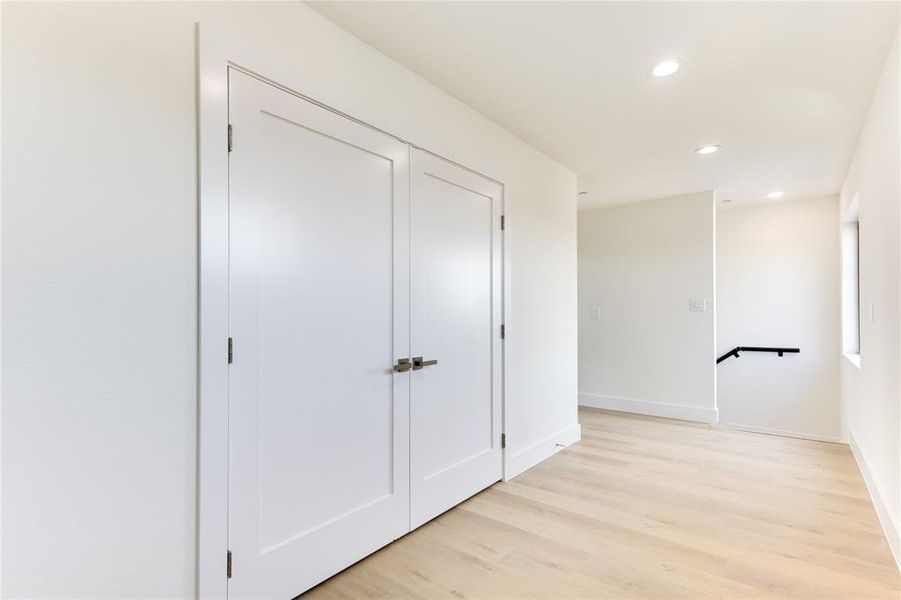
[[654, 409], [531, 455], [784, 433], [889, 526]]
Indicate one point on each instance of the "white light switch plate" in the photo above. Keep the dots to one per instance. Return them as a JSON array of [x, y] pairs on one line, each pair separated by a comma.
[[699, 305]]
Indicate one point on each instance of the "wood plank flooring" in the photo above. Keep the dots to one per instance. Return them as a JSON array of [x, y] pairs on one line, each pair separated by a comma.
[[649, 508]]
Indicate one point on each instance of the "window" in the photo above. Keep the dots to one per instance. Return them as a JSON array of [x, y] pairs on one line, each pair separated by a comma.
[[851, 282]]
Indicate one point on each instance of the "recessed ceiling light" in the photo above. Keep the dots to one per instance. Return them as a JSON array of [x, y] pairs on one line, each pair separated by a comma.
[[775, 194], [727, 200], [665, 68], [710, 149], [582, 193]]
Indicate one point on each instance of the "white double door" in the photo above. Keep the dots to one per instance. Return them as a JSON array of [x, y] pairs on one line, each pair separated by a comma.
[[351, 257]]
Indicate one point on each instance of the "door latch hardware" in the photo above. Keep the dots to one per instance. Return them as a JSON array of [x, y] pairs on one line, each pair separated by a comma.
[[403, 365], [418, 363]]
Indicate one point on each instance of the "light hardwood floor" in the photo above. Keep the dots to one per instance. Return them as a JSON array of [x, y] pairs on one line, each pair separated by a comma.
[[649, 508]]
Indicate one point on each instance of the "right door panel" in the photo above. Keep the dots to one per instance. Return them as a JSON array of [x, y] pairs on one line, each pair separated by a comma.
[[456, 416]]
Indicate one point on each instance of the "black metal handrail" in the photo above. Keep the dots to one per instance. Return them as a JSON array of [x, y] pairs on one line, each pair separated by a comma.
[[734, 352]]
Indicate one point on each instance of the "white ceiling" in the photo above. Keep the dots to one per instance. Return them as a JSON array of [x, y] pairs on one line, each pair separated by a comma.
[[784, 87]]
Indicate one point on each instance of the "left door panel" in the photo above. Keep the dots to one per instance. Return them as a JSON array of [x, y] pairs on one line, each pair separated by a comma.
[[319, 314]]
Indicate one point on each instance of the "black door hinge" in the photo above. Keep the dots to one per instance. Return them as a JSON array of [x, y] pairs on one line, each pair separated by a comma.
[[502, 222], [228, 565], [229, 137], [231, 347], [503, 440], [503, 331]]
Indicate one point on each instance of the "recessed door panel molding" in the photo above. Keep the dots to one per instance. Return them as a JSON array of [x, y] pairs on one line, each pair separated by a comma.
[[456, 277], [318, 314]]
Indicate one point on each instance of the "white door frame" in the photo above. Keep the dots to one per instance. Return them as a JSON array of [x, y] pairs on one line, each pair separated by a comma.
[[215, 54]]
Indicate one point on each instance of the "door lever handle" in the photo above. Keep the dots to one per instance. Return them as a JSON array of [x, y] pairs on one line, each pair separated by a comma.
[[403, 365], [418, 363]]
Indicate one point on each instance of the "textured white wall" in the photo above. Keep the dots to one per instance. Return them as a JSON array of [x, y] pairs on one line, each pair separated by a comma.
[[777, 284], [871, 393], [640, 347], [99, 278]]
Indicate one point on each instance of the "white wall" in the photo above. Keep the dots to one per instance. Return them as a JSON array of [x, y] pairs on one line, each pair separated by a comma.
[[871, 393], [640, 347], [99, 278], [777, 284]]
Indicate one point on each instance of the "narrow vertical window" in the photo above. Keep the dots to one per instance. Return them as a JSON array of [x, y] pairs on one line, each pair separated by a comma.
[[851, 281]]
